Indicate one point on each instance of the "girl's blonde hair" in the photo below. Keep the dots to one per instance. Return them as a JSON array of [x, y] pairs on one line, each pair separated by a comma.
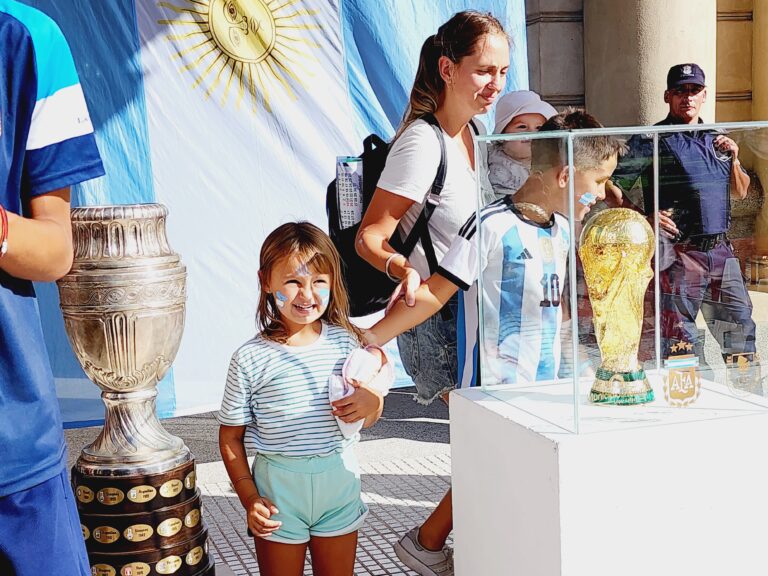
[[457, 38], [311, 246]]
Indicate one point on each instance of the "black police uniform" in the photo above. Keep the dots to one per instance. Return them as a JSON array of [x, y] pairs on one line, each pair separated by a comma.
[[698, 269]]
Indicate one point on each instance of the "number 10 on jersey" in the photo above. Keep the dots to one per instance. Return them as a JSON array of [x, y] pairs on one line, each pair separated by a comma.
[[550, 284]]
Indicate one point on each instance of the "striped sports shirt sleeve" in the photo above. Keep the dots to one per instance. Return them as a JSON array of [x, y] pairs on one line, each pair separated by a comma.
[[459, 265], [462, 264], [61, 149], [236, 404]]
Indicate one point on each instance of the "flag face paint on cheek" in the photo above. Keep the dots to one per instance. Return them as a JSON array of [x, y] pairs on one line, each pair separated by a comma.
[[587, 199], [280, 299], [325, 295]]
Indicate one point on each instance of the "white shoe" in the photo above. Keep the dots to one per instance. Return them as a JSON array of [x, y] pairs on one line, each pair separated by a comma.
[[420, 560]]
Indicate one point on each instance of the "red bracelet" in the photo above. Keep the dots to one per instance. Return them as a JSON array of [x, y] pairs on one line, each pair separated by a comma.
[[4, 231]]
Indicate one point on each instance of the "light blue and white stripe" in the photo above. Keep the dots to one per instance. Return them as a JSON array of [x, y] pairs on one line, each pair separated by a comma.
[[280, 393]]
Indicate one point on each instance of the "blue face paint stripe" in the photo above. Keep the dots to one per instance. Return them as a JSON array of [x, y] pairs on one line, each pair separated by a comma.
[[325, 295], [587, 198], [280, 299]]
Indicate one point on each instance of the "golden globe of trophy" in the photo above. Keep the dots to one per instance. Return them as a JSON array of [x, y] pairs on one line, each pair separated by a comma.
[[616, 247], [123, 305]]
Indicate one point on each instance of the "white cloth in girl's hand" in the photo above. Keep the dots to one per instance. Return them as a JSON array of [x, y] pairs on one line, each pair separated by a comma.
[[363, 367], [366, 368]]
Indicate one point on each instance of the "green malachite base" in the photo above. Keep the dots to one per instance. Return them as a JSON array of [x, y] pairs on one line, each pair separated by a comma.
[[620, 399], [621, 388]]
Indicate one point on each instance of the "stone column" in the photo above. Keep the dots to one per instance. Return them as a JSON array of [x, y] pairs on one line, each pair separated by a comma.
[[630, 45], [555, 50], [734, 60], [760, 112]]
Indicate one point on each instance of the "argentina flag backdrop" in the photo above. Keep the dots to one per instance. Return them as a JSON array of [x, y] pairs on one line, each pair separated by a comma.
[[232, 113]]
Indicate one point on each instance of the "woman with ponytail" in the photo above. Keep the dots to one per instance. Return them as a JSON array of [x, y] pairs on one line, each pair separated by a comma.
[[462, 70]]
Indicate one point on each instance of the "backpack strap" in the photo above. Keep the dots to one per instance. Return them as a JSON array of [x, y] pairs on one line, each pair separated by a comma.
[[372, 141], [475, 129], [420, 230]]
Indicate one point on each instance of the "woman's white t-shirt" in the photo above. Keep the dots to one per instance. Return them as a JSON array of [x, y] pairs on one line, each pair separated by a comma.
[[410, 170]]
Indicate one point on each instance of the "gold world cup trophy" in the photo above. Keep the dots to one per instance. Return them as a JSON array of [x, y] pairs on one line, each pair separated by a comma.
[[616, 248]]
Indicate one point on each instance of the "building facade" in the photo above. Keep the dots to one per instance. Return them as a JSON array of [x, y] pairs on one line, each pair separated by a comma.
[[612, 56]]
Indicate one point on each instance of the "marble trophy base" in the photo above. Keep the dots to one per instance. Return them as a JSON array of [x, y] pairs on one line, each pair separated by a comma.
[[531, 498], [143, 524], [621, 388]]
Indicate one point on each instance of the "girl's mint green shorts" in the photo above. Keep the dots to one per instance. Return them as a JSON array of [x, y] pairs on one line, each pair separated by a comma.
[[315, 495]]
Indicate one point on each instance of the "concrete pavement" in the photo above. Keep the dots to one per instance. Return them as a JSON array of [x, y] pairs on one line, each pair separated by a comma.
[[405, 459]]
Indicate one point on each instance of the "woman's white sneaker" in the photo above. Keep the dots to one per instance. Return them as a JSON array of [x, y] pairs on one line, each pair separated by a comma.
[[420, 560]]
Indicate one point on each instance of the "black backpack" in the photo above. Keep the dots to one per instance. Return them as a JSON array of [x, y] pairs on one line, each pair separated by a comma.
[[369, 289]]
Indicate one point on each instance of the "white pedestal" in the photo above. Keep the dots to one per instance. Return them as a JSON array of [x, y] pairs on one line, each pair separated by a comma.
[[645, 490]]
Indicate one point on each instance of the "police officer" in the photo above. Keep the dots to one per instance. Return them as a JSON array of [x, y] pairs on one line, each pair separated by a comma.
[[699, 171]]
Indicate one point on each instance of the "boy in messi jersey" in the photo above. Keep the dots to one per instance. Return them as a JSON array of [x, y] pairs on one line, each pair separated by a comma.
[[522, 253]]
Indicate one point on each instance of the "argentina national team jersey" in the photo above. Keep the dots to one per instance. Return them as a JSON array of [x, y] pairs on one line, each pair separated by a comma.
[[523, 266], [280, 393]]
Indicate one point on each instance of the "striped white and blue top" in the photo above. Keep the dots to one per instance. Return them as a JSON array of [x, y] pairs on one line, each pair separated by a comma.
[[280, 393], [523, 267]]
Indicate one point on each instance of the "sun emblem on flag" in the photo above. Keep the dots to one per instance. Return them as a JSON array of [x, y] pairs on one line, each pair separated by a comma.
[[241, 48]]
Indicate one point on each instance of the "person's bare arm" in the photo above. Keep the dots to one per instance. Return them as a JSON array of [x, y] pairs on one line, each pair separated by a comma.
[[429, 299], [232, 450], [372, 242], [258, 509], [739, 178], [40, 246]]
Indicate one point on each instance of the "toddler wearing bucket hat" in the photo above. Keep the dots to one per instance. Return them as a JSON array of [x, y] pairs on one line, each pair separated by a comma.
[[509, 163]]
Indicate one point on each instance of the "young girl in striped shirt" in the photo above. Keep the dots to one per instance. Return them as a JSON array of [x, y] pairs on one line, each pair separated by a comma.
[[304, 488]]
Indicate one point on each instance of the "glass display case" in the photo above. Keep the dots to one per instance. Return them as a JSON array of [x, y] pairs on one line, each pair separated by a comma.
[[619, 277]]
